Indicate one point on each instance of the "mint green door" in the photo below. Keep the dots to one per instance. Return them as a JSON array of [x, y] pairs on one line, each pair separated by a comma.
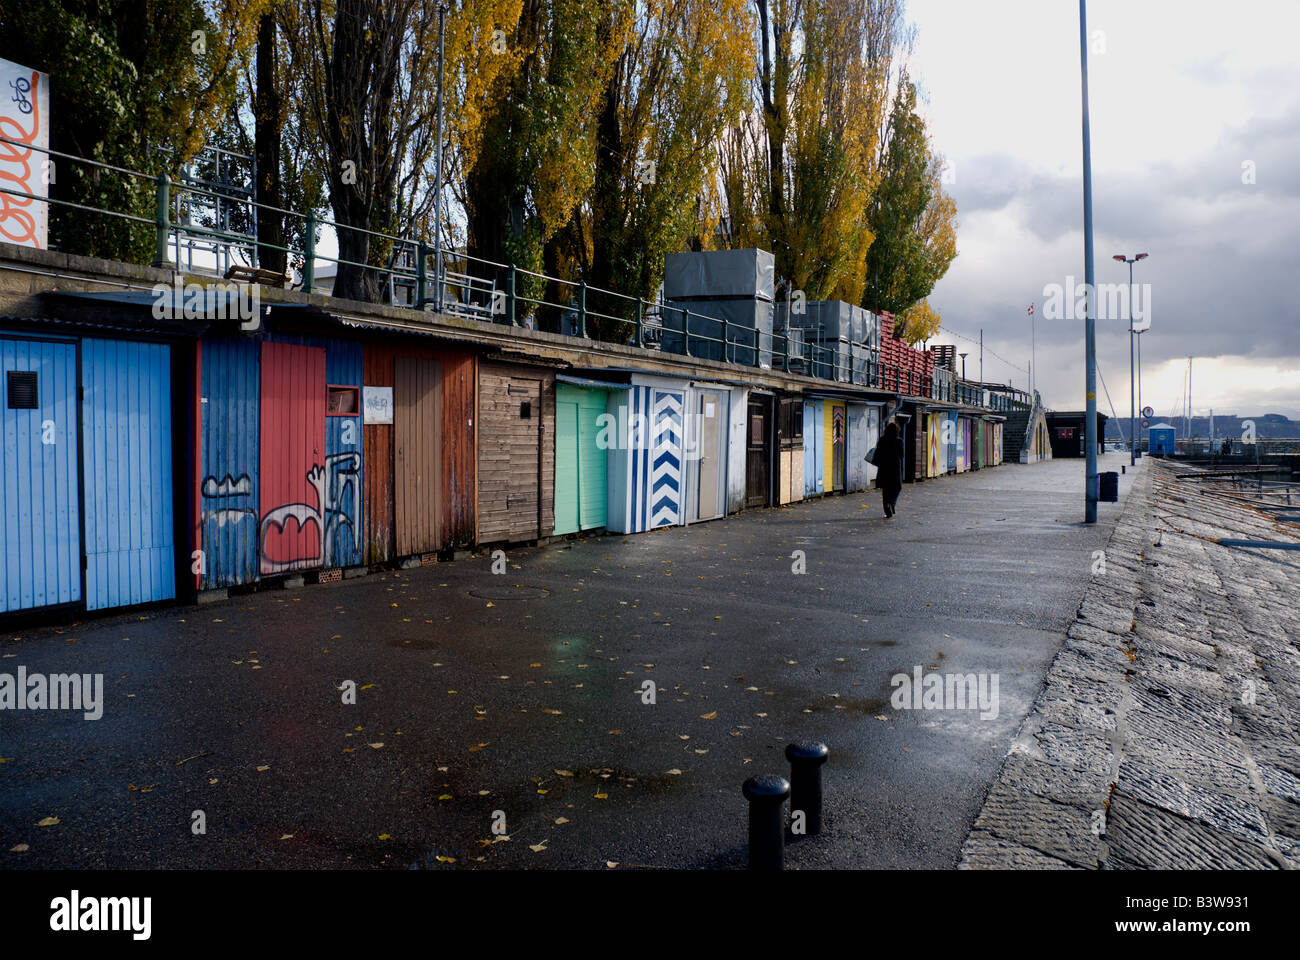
[[579, 462]]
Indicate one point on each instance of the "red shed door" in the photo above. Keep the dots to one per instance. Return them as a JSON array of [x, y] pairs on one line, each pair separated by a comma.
[[294, 473]]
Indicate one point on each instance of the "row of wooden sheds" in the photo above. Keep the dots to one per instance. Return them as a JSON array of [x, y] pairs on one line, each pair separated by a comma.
[[142, 461], [961, 439]]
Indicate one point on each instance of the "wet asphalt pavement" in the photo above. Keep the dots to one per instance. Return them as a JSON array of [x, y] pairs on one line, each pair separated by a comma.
[[522, 693]]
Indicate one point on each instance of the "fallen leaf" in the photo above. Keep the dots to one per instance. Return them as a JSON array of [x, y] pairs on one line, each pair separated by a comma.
[[385, 836], [375, 746], [287, 836], [477, 747], [19, 848], [48, 822], [442, 859], [263, 769], [559, 820], [564, 773], [674, 772], [537, 847], [709, 716]]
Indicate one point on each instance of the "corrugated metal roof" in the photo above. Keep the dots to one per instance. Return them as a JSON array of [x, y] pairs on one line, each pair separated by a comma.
[[587, 382], [98, 325]]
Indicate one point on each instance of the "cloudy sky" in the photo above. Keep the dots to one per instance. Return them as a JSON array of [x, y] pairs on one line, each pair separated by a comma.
[[1183, 94]]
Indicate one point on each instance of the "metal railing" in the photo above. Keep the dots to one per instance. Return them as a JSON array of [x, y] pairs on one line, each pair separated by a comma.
[[509, 294]]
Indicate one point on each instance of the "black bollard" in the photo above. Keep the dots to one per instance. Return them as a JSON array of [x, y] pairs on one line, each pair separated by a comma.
[[806, 758], [766, 796]]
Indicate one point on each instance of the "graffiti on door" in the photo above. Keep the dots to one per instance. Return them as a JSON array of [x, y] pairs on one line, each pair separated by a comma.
[[223, 491], [298, 535]]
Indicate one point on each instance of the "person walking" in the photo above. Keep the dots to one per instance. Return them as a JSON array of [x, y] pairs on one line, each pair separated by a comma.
[[888, 460]]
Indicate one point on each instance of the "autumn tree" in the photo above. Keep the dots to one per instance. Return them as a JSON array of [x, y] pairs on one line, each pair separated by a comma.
[[679, 80], [797, 174], [913, 219], [369, 81], [535, 160], [140, 84]]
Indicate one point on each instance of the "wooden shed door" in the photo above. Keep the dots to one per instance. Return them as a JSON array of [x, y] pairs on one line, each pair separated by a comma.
[[417, 444], [837, 444], [293, 474], [510, 458], [710, 434], [757, 460]]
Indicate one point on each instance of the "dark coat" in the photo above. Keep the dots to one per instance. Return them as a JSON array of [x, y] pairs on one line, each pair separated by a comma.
[[889, 459]]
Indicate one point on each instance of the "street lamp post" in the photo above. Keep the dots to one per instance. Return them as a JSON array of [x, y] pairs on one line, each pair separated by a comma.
[[1132, 402], [1091, 479], [437, 199]]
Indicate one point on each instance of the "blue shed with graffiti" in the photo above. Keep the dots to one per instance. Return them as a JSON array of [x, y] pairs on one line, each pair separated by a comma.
[[279, 458]]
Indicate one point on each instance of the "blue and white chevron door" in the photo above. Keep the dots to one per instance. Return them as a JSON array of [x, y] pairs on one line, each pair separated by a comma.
[[666, 472]]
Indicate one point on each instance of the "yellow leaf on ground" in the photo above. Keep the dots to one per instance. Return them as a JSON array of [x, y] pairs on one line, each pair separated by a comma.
[[709, 716], [559, 820], [674, 772], [19, 848], [537, 847], [385, 836], [564, 773], [48, 822]]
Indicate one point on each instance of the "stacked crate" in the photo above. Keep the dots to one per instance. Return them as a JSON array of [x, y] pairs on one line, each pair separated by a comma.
[[899, 360], [840, 339]]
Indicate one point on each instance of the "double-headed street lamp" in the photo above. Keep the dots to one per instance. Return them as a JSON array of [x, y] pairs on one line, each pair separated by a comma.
[[1132, 408]]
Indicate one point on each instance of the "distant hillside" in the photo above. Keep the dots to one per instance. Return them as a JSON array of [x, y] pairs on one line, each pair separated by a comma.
[[1267, 426]]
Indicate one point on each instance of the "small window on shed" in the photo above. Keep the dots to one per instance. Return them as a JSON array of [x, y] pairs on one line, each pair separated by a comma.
[[21, 390], [343, 401]]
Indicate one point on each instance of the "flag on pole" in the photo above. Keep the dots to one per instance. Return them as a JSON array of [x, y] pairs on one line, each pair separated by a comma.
[[1031, 310]]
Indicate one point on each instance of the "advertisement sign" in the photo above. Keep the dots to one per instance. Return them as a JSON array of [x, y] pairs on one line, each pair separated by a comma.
[[25, 119]]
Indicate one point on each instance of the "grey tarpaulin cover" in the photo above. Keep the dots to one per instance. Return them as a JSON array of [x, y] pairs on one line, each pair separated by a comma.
[[830, 320], [720, 273], [748, 329]]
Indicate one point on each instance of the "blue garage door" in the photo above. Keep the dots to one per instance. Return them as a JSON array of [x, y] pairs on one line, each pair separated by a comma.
[[127, 472], [40, 563]]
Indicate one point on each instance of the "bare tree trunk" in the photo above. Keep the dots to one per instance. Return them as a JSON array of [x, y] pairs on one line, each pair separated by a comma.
[[268, 124]]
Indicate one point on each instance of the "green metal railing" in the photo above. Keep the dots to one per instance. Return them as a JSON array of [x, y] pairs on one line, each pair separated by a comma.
[[576, 308]]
